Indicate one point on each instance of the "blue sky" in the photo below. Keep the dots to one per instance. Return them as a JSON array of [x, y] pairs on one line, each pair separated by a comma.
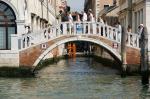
[[76, 5]]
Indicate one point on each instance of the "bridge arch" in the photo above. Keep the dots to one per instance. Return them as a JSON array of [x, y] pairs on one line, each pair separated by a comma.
[[78, 38]]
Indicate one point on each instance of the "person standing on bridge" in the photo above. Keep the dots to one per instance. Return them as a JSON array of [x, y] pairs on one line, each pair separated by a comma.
[[78, 24], [70, 25], [119, 31], [90, 16], [84, 19], [91, 19], [84, 16]]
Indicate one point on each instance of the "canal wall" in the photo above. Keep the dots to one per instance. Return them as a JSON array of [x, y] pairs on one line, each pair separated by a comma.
[[133, 59], [103, 56], [9, 58]]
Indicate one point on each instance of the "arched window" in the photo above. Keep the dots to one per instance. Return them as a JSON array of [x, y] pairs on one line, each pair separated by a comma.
[[7, 25]]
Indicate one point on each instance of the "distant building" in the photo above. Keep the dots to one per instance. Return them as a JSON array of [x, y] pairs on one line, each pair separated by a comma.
[[109, 13], [96, 5], [18, 15]]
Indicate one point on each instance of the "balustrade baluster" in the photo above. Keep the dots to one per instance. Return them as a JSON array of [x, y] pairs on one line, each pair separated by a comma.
[[21, 42], [64, 29], [59, 31], [137, 42], [75, 31], [104, 34], [110, 33], [84, 28], [99, 28], [89, 28], [129, 40], [116, 35], [107, 31], [70, 28], [94, 28]]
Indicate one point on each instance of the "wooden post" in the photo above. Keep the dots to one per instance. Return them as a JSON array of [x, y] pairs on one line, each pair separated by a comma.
[[74, 50], [144, 57], [123, 52]]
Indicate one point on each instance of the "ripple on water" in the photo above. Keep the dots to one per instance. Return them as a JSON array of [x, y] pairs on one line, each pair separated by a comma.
[[68, 79]]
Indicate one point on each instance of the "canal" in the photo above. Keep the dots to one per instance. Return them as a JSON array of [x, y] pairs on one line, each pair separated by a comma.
[[80, 78]]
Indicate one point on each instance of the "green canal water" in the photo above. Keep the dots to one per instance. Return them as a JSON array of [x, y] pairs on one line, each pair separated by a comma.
[[80, 78]]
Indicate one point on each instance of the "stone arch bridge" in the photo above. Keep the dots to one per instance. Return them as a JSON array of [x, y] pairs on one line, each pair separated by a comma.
[[33, 47]]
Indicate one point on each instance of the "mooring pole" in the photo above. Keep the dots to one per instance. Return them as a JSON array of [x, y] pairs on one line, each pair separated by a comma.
[[144, 56], [123, 53]]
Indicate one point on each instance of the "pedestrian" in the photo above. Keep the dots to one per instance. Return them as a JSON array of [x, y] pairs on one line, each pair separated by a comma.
[[101, 20], [84, 16], [141, 35], [140, 30], [129, 29], [91, 20], [70, 18], [90, 16], [119, 31], [84, 20], [78, 24], [77, 17]]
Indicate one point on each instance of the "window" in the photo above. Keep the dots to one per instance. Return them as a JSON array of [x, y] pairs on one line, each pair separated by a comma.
[[138, 18], [7, 25]]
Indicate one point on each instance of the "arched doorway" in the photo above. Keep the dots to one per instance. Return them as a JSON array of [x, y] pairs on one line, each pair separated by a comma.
[[7, 25]]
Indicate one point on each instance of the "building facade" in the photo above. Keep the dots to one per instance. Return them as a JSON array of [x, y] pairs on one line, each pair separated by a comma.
[[133, 13], [16, 16], [97, 5]]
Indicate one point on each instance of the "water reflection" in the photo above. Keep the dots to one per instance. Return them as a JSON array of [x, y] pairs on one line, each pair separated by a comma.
[[82, 78]]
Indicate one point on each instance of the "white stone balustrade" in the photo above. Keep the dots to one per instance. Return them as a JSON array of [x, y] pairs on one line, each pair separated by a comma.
[[132, 40], [75, 28]]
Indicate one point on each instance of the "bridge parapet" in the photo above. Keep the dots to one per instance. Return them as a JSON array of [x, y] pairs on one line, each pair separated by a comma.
[[31, 50], [67, 28], [132, 40], [76, 28]]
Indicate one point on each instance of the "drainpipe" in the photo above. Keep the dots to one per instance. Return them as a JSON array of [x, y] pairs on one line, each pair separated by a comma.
[[96, 10], [55, 12], [41, 6], [47, 11], [130, 12]]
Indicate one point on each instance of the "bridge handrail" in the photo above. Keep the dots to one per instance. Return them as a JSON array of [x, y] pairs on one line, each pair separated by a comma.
[[74, 28], [132, 40], [29, 39], [98, 28]]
